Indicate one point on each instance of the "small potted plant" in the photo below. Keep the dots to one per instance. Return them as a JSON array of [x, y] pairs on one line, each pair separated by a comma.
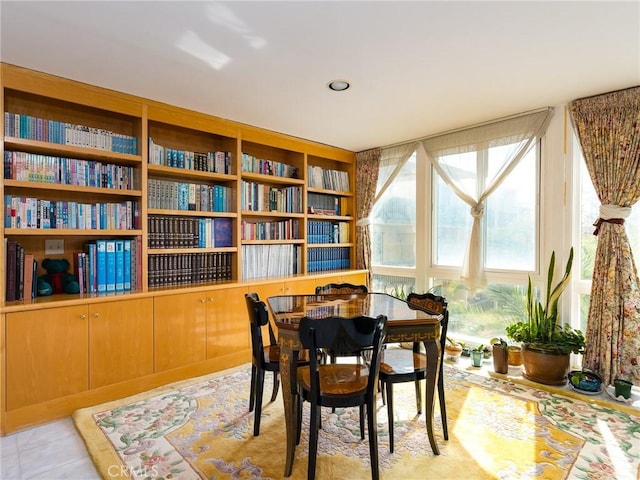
[[585, 381], [477, 355], [453, 349], [500, 355]]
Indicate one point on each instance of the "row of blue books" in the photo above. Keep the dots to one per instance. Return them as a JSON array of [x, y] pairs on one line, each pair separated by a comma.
[[34, 128], [326, 259], [33, 167], [319, 231], [107, 265]]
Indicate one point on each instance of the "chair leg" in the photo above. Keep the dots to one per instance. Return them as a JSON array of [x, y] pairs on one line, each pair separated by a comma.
[[298, 416], [252, 393], [372, 425], [276, 386], [362, 415], [418, 397], [381, 390], [443, 406], [258, 406], [313, 441], [390, 414]]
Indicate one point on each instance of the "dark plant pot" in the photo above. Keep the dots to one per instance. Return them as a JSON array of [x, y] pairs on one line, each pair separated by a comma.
[[622, 388], [500, 359], [544, 367]]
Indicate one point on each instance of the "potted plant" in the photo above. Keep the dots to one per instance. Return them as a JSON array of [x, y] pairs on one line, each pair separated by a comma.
[[500, 355], [547, 344], [453, 349], [477, 354]]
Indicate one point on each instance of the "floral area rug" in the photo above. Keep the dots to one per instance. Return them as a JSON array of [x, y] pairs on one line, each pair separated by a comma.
[[202, 429]]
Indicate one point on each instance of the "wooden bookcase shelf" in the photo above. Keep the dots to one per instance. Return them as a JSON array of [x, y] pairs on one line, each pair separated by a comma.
[[75, 152]]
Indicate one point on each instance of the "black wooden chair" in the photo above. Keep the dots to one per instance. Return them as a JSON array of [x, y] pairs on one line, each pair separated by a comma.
[[264, 358], [340, 289], [341, 384], [400, 365]]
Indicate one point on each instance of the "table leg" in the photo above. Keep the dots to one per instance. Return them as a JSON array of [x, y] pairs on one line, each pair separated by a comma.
[[432, 349], [288, 360]]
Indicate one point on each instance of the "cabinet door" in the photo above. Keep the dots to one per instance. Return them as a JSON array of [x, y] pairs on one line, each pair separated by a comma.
[[47, 355], [227, 322], [307, 285], [120, 341], [180, 330], [359, 278]]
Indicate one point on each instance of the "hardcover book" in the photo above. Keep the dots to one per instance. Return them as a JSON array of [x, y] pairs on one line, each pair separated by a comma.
[[222, 231], [101, 265], [111, 265], [119, 265]]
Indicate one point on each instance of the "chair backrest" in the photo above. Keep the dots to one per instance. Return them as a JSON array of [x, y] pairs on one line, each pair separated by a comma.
[[340, 289], [258, 317], [435, 304], [344, 335]]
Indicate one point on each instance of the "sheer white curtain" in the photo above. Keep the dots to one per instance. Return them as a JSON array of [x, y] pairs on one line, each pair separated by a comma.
[[474, 161], [391, 162]]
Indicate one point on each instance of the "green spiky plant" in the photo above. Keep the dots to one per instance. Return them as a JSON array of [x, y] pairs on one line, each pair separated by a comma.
[[542, 331]]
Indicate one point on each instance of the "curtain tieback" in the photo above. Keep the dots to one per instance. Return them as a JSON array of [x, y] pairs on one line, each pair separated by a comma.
[[617, 221]]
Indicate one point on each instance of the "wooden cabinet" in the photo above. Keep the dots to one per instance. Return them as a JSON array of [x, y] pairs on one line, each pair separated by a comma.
[[120, 341], [180, 330], [227, 322], [47, 354]]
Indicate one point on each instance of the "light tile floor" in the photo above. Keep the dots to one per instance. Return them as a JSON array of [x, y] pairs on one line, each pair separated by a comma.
[[54, 451]]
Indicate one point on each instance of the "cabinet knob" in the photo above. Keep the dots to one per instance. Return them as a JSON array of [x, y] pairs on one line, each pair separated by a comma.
[[83, 316], [211, 299], [202, 300], [96, 315]]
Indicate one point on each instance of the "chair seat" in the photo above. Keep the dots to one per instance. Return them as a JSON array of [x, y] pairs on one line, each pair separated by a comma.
[[402, 362], [337, 379], [272, 354]]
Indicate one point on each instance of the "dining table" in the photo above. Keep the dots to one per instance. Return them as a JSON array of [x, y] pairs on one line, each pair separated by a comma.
[[405, 323]]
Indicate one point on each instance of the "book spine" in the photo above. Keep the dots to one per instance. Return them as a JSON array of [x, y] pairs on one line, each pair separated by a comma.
[[127, 265], [101, 266], [111, 265], [119, 265]]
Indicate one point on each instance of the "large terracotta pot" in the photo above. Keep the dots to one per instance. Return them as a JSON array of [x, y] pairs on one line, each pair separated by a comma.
[[544, 367]]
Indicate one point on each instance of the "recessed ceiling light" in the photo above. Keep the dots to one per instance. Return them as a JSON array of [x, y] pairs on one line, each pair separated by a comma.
[[338, 85]]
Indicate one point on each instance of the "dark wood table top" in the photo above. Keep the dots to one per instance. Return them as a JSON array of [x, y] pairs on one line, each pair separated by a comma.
[[287, 310]]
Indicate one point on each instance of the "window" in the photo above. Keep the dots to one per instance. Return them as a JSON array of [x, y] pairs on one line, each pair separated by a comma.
[[510, 220], [421, 227], [393, 221]]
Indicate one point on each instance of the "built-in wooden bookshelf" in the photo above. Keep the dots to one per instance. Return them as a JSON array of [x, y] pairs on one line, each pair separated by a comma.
[[211, 209]]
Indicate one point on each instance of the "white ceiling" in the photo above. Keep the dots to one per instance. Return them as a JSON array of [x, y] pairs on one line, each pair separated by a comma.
[[416, 68]]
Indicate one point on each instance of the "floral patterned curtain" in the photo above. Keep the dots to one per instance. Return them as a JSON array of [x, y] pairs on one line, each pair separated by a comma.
[[366, 180], [608, 127]]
